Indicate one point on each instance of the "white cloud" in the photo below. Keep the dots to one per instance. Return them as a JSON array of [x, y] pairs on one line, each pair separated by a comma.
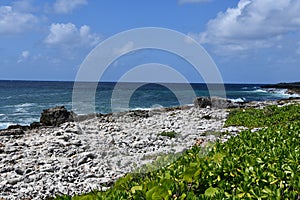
[[67, 6], [253, 24], [193, 1], [68, 36], [24, 56], [124, 49], [15, 21]]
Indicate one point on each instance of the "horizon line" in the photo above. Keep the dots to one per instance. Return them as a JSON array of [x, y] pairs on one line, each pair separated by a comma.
[[110, 81]]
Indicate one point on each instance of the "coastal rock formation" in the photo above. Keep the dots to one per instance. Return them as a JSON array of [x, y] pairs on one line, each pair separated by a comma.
[[218, 102], [56, 116], [215, 102], [292, 87], [202, 102]]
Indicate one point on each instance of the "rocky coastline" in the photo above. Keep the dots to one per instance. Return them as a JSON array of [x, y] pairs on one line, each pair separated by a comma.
[[293, 88], [69, 154]]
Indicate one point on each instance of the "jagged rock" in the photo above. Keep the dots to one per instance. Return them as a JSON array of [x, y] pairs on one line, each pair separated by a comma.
[[35, 125], [202, 102], [24, 128], [208, 117], [17, 126], [216, 102], [1, 149], [19, 171], [56, 116], [139, 113], [12, 132], [14, 181], [83, 158]]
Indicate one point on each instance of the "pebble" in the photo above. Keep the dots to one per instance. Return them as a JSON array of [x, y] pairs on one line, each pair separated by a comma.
[[13, 181]]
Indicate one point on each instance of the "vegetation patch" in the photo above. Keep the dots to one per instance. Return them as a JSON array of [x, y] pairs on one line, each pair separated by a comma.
[[254, 165], [170, 134], [269, 116]]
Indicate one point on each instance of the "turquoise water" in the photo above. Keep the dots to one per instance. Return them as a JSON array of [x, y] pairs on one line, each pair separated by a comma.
[[21, 102]]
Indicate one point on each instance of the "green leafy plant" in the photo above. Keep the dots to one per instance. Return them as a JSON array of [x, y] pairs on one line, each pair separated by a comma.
[[170, 134], [254, 165], [269, 116]]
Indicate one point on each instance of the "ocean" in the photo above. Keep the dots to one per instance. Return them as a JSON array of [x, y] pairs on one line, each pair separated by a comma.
[[21, 102]]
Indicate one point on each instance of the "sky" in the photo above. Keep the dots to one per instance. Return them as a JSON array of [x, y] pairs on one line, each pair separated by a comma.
[[251, 41]]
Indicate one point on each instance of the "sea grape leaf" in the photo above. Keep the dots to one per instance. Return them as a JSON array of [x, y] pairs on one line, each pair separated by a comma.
[[211, 191], [157, 193], [189, 173], [136, 188]]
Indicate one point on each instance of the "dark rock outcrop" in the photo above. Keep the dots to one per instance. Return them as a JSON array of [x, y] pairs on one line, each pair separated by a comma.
[[17, 126], [35, 125], [216, 102], [139, 113], [202, 102], [56, 116], [292, 87]]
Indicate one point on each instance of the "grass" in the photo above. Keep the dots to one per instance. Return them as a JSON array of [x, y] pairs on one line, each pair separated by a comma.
[[259, 165], [170, 134]]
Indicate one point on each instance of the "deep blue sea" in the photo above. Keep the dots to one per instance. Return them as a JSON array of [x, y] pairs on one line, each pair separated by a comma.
[[21, 102]]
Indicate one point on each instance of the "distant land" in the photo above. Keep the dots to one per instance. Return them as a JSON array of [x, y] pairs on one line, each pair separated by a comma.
[[293, 87]]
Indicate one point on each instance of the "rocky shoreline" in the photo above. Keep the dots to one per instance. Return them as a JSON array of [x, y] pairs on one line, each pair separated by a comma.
[[293, 88], [72, 155]]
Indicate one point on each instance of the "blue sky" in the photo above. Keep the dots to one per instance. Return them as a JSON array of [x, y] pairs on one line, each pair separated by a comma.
[[251, 41]]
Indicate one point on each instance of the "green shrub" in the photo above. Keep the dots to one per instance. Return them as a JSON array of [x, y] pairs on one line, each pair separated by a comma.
[[259, 165], [170, 134], [268, 116]]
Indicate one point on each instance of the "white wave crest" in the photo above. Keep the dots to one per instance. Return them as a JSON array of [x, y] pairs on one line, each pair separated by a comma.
[[238, 100], [26, 105], [5, 125], [282, 93]]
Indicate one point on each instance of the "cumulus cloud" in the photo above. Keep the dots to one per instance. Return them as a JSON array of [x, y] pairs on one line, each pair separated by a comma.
[[193, 1], [24, 55], [253, 24], [69, 36], [67, 6], [15, 21]]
